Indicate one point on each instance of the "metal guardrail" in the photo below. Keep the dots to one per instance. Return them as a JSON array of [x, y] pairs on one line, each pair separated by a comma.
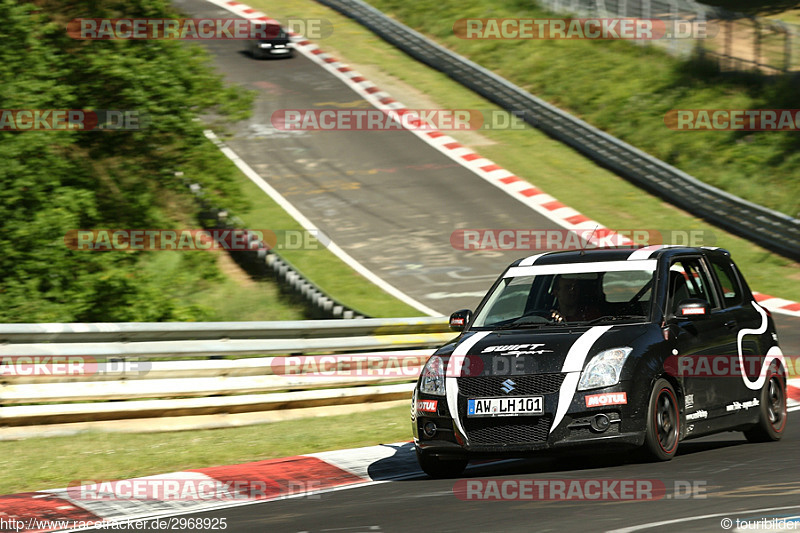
[[175, 331], [158, 381], [260, 260], [87, 382], [771, 229], [163, 414], [209, 348]]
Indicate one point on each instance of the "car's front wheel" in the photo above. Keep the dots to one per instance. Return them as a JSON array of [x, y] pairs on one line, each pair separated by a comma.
[[772, 409], [441, 467], [663, 422]]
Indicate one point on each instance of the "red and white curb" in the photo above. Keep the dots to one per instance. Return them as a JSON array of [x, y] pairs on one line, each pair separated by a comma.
[[778, 305], [291, 477], [793, 392]]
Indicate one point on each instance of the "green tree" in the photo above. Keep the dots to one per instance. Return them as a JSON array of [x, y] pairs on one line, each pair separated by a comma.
[[53, 182]]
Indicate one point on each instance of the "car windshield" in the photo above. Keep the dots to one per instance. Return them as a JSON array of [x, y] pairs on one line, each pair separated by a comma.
[[591, 293]]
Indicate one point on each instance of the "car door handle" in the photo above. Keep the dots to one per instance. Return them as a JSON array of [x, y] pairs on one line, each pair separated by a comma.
[[730, 324]]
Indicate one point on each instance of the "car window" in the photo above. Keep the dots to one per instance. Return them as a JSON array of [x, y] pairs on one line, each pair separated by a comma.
[[729, 282], [623, 286], [555, 294], [510, 303], [687, 279]]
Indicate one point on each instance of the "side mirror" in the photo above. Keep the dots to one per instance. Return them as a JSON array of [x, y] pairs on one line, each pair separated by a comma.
[[693, 308], [460, 319]]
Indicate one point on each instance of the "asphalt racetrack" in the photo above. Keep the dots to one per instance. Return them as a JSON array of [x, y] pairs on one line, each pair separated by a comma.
[[392, 202], [387, 198], [723, 476]]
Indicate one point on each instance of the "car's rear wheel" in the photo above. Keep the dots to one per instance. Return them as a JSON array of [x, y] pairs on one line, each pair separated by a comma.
[[772, 409], [441, 466], [663, 422]]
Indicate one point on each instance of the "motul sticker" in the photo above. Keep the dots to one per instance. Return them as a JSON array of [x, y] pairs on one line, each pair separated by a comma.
[[609, 398], [427, 406]]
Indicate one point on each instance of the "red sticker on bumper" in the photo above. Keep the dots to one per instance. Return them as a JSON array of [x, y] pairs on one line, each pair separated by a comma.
[[427, 406], [608, 398]]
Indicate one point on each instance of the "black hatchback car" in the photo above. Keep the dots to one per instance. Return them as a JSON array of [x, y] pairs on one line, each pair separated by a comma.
[[640, 348], [277, 43]]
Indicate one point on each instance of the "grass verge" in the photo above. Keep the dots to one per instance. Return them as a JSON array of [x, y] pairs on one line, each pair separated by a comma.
[[532, 155], [627, 90], [228, 293], [41, 463]]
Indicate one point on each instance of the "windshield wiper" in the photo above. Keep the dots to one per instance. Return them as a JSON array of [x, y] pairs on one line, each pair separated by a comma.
[[527, 324], [613, 318]]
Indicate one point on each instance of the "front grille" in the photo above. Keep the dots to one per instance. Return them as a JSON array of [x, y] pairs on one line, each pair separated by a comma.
[[526, 385], [508, 430]]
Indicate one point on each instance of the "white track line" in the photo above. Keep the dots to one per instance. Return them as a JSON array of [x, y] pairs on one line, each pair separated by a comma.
[[311, 228], [651, 525]]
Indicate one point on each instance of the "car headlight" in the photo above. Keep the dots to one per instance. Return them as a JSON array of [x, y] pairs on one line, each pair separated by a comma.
[[265, 45], [432, 378], [604, 369]]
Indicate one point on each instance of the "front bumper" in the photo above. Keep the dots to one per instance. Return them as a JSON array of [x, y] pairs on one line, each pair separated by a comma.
[[286, 50], [523, 435]]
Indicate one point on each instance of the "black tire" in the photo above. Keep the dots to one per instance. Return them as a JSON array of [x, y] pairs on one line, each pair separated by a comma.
[[772, 408], [663, 430], [441, 467]]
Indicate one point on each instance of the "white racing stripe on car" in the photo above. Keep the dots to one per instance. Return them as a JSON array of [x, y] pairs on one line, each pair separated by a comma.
[[644, 253], [774, 351], [580, 268], [451, 383], [528, 261], [573, 364]]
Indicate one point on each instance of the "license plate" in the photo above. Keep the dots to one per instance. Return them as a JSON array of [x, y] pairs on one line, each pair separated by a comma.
[[515, 406], [281, 50]]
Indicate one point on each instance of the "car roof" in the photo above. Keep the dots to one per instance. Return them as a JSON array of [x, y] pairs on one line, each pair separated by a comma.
[[594, 255]]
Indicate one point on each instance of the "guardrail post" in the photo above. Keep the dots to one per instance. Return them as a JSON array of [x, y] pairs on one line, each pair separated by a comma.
[[757, 43], [787, 48], [729, 40]]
